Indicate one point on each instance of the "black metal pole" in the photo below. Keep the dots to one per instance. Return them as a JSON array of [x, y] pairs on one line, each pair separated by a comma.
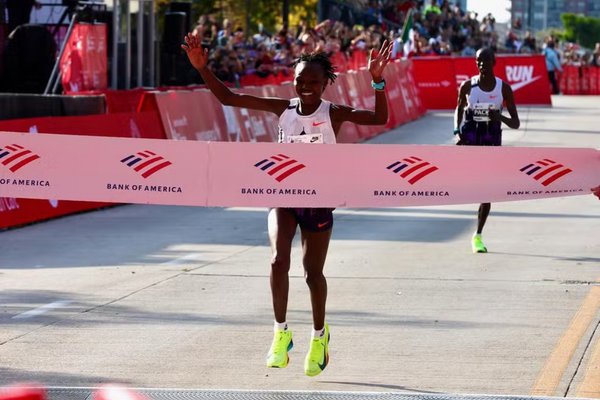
[[286, 12], [55, 70], [2, 12], [320, 16], [530, 15], [248, 8]]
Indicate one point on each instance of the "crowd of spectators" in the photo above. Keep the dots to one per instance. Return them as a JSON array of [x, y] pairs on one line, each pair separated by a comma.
[[440, 28]]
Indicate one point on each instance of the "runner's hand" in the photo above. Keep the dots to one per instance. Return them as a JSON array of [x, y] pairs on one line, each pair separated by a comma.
[[198, 57], [596, 192], [494, 115], [377, 63]]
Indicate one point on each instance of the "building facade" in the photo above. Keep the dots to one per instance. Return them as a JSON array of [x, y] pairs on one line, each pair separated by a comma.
[[545, 14]]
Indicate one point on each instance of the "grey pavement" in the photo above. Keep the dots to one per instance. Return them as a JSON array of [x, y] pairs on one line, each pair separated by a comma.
[[178, 297]]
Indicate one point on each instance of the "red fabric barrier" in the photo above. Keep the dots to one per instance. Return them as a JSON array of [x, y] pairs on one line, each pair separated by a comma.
[[593, 78], [527, 76], [465, 68], [580, 81], [585, 80], [357, 61], [338, 93], [22, 392], [368, 98], [414, 107], [353, 87], [561, 79], [123, 101], [84, 62], [436, 81], [117, 101], [340, 62], [15, 212], [258, 126], [572, 78], [187, 115], [396, 105]]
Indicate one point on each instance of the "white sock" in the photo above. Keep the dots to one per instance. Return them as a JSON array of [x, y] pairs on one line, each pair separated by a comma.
[[281, 326], [318, 334], [477, 234]]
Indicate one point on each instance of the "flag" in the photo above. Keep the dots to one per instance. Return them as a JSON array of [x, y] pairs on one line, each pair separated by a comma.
[[408, 34]]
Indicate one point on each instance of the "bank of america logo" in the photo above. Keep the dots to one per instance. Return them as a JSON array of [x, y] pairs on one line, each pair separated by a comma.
[[280, 166], [16, 157], [412, 168], [146, 163], [548, 171]]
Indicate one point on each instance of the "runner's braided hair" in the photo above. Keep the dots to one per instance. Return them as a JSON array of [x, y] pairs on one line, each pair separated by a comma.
[[323, 60]]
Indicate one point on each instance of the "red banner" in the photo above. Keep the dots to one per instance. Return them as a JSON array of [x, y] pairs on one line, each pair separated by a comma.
[[189, 115], [84, 62], [465, 68], [436, 81], [527, 76], [15, 212]]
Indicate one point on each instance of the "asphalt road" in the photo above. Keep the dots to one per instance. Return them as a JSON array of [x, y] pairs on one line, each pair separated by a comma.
[[178, 297]]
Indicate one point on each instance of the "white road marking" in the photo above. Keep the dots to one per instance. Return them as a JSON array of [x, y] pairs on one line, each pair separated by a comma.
[[41, 310], [181, 260]]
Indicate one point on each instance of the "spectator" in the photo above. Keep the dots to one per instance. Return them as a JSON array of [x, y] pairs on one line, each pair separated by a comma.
[[470, 50], [596, 56], [432, 8], [529, 42], [439, 30], [552, 64]]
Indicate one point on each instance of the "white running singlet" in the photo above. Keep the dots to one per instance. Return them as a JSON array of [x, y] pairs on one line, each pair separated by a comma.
[[479, 102], [314, 128]]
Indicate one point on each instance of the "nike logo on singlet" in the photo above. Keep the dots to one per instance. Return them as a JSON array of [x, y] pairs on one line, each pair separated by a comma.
[[318, 123], [493, 97]]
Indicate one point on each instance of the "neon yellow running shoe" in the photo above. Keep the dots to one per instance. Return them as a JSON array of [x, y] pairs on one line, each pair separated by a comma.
[[278, 354], [477, 245], [318, 355]]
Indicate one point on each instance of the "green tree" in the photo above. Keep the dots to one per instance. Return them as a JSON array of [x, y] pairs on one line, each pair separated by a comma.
[[580, 29], [241, 12]]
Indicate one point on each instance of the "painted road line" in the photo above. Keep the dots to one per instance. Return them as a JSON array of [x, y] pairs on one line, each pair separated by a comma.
[[181, 260], [555, 367], [590, 385], [41, 310]]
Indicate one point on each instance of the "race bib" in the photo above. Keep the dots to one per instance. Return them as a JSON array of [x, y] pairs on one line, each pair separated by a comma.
[[481, 112], [308, 138]]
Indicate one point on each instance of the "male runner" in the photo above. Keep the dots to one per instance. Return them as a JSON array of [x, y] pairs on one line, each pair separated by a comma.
[[307, 118], [483, 97]]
